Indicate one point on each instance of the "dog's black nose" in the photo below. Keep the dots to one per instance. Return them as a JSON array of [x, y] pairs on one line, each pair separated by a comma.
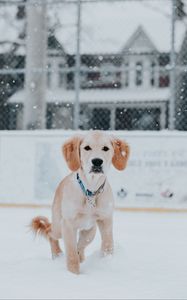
[[97, 162]]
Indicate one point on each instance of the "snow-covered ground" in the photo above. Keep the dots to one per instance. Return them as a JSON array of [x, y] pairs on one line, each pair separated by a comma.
[[150, 260]]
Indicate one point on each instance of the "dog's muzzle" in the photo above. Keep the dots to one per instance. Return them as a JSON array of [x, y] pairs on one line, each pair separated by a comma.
[[97, 165]]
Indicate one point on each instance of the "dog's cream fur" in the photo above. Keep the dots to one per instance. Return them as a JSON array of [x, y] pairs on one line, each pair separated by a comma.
[[71, 212]]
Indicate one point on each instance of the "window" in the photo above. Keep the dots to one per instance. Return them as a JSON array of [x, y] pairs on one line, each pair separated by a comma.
[[100, 119], [137, 118], [49, 75], [61, 75], [92, 79], [109, 77], [152, 77], [59, 116], [126, 83], [139, 73], [163, 78]]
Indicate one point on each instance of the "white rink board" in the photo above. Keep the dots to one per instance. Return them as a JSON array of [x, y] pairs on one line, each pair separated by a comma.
[[32, 166]]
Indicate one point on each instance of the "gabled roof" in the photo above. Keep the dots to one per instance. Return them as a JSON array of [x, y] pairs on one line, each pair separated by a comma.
[[105, 26], [139, 42]]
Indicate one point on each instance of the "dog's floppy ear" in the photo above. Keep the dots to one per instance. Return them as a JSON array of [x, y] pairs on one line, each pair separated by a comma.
[[121, 153], [71, 152]]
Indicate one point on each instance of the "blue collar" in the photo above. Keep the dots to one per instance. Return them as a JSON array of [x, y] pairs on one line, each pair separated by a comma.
[[87, 192]]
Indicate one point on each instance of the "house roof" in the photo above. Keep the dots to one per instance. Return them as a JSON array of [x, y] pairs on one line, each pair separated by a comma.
[[139, 42], [106, 27], [99, 96]]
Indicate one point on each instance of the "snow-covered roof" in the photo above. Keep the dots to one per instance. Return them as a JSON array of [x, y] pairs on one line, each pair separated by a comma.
[[139, 42], [106, 27], [99, 96]]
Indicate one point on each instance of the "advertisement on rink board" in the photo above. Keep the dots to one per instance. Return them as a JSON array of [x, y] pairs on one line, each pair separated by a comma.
[[32, 166], [156, 173]]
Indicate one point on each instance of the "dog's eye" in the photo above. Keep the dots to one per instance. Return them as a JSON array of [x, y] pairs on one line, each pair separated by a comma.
[[105, 148], [87, 148]]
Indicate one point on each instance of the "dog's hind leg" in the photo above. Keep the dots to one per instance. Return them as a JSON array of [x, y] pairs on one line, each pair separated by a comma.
[[85, 238], [55, 248], [41, 225], [55, 235]]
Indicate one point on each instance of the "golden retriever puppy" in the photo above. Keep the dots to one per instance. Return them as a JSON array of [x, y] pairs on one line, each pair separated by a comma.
[[84, 198]]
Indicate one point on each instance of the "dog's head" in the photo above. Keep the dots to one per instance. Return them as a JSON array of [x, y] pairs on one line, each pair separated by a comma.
[[95, 152]]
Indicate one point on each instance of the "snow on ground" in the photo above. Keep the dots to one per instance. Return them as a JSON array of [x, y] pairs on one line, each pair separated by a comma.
[[150, 260]]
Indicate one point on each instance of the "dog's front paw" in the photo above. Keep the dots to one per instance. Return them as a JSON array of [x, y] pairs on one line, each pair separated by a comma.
[[73, 265], [107, 251]]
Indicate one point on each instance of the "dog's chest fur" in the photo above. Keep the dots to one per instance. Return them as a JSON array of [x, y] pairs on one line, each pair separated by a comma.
[[87, 216]]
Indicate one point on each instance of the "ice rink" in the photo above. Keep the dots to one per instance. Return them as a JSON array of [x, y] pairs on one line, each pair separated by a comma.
[[150, 260]]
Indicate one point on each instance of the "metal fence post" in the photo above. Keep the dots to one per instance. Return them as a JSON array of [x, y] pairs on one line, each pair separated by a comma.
[[77, 69], [172, 99], [36, 56]]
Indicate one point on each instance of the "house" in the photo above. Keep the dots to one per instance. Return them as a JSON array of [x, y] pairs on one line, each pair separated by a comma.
[[126, 90], [124, 75]]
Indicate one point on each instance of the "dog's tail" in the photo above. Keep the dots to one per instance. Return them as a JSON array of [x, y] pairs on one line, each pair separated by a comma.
[[41, 225]]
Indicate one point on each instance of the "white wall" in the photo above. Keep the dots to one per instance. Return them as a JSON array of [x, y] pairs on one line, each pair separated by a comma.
[[31, 166]]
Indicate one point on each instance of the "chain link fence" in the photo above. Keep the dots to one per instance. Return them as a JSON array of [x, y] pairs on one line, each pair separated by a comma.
[[100, 64]]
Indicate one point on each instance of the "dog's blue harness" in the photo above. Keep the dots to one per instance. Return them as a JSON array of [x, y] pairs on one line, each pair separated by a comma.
[[91, 196]]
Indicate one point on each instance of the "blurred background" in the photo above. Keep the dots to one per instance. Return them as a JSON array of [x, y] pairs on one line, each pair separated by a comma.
[[100, 64], [116, 65]]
